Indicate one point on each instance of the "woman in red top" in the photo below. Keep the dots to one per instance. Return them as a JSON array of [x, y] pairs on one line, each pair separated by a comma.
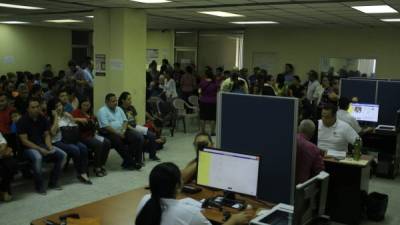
[[100, 145]]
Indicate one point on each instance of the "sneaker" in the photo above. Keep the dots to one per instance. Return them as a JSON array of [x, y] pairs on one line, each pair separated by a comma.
[[55, 187], [84, 181], [155, 158]]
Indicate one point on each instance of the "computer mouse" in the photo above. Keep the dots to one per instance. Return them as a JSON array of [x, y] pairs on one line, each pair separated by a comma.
[[226, 215]]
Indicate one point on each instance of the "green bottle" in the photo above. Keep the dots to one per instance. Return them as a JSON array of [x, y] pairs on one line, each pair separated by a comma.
[[357, 149]]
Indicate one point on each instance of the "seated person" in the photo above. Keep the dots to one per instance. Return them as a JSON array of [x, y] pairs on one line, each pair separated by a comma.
[[155, 126], [100, 145], [345, 116], [162, 207], [77, 150], [228, 84], [8, 168], [125, 102], [201, 141], [33, 130], [5, 114], [63, 97], [114, 126], [309, 160], [334, 134], [22, 99]]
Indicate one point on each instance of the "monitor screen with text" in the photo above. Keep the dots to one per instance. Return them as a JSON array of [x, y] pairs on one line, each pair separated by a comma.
[[364, 112], [228, 171]]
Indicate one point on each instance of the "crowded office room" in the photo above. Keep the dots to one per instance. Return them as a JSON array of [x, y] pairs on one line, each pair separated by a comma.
[[140, 112]]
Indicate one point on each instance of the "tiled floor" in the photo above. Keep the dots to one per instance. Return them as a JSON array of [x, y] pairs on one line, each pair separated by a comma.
[[179, 149]]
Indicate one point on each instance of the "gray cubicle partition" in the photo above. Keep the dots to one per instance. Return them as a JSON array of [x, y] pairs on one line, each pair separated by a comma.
[[264, 126], [388, 99], [385, 93], [365, 90]]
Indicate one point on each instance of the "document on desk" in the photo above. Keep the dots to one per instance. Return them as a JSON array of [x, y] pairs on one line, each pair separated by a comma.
[[351, 161], [336, 154], [191, 202]]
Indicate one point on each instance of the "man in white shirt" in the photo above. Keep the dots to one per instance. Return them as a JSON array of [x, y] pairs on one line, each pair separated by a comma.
[[345, 116], [334, 134], [228, 83], [312, 87]]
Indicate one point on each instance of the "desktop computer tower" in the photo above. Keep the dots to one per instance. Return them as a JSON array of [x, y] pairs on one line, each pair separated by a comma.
[[388, 165]]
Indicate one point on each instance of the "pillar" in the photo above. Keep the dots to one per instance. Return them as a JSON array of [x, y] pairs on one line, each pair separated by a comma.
[[120, 34]]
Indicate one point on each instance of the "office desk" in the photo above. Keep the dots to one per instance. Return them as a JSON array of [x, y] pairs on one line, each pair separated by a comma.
[[348, 186], [121, 209]]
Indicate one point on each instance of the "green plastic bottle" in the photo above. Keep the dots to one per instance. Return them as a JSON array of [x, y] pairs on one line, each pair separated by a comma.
[[357, 149]]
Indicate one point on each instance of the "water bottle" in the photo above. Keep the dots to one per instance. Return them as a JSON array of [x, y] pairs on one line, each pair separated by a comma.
[[357, 149]]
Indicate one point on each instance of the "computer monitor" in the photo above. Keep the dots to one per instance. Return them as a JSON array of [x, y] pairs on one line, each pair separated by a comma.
[[364, 112], [228, 171]]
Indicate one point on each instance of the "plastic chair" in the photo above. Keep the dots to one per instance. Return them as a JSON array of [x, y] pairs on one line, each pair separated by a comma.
[[179, 105], [194, 101]]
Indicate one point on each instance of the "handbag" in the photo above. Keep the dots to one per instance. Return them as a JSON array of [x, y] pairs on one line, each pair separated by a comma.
[[70, 134]]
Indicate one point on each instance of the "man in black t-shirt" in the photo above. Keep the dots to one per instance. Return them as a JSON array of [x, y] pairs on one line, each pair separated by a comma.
[[33, 132]]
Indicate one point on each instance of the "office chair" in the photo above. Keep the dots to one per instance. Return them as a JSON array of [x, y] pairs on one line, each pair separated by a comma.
[[310, 201]]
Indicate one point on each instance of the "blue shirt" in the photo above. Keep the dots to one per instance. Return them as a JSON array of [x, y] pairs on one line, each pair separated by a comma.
[[111, 118], [68, 108], [88, 77]]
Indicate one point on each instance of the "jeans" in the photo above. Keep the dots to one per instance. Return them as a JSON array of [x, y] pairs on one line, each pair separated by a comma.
[[8, 168], [130, 148], [36, 159], [79, 154], [101, 150], [151, 145]]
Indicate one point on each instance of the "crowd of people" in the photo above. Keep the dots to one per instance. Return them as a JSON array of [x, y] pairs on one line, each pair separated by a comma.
[[49, 118]]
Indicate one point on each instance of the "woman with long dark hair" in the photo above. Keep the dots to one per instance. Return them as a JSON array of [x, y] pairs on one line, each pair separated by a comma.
[[208, 89], [100, 145], [76, 149], [162, 207]]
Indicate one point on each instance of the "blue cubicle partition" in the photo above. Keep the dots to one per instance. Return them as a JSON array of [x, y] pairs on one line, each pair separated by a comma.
[[365, 90], [385, 93], [388, 99], [264, 126]]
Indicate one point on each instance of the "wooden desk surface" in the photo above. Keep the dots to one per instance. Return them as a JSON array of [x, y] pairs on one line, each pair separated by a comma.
[[121, 209], [363, 157]]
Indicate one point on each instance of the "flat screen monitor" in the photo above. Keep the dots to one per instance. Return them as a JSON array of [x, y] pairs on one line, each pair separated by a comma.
[[228, 171], [364, 112]]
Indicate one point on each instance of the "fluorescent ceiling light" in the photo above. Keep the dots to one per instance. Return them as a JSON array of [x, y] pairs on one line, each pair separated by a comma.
[[375, 9], [391, 20], [151, 1], [254, 22], [91, 17], [64, 21], [5, 5], [221, 14], [183, 32], [14, 22]]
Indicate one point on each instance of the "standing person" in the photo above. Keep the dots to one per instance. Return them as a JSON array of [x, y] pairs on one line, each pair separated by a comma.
[[312, 87], [100, 145], [8, 168], [77, 150], [281, 87], [162, 208], [34, 133], [188, 83], [114, 126], [170, 86], [125, 102], [296, 89], [208, 90], [328, 96], [289, 73]]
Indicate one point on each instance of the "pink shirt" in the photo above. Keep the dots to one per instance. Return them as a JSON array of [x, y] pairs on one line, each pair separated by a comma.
[[309, 161]]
